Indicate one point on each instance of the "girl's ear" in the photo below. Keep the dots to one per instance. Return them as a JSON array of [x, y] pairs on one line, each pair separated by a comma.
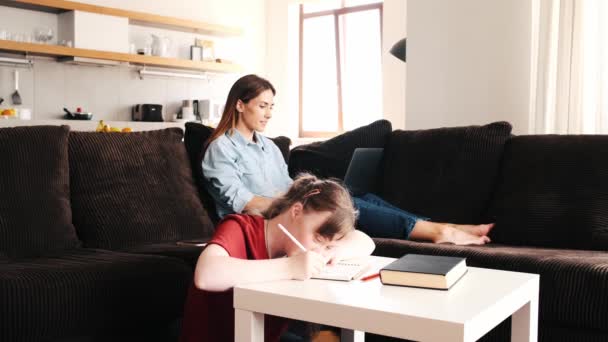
[[240, 106], [296, 210]]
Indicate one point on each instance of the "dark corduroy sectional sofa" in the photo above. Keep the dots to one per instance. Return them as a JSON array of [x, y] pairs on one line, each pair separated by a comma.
[[88, 230], [88, 224], [89, 221], [547, 194]]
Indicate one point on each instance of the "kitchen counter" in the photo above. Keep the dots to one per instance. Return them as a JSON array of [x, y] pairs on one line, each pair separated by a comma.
[[91, 125]]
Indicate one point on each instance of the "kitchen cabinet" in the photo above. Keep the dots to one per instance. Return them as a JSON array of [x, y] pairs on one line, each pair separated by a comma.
[[119, 55]]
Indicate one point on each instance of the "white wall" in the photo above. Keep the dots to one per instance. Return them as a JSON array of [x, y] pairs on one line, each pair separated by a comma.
[[282, 58], [393, 70], [109, 92], [468, 62]]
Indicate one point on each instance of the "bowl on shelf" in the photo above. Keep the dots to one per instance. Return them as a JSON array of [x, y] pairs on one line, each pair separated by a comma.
[[77, 115]]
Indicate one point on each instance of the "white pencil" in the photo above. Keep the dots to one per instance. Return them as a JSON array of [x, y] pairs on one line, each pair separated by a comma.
[[292, 238]]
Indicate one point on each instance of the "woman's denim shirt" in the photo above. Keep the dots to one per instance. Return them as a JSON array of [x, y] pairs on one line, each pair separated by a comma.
[[237, 169]]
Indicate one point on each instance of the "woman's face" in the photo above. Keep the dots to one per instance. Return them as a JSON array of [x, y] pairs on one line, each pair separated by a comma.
[[256, 113]]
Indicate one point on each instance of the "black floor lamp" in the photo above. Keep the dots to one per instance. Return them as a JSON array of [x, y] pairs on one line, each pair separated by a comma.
[[399, 49]]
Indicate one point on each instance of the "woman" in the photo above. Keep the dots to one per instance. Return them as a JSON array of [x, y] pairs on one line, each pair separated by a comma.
[[244, 172], [247, 249]]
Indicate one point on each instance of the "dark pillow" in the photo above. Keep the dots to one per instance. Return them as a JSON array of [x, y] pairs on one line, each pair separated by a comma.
[[447, 174], [284, 145], [553, 192], [330, 158], [133, 189], [195, 138], [35, 213]]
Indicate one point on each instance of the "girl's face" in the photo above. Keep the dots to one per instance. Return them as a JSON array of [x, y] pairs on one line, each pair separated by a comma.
[[306, 225], [256, 113]]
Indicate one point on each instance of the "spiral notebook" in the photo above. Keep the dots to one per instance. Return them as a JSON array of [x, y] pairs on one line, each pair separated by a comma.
[[345, 270]]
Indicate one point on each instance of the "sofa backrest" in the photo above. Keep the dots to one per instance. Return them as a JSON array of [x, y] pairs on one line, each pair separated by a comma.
[[133, 189], [331, 158], [35, 213], [446, 174], [552, 192]]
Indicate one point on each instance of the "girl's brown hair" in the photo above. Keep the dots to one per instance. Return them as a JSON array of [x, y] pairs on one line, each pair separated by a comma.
[[318, 195], [245, 88]]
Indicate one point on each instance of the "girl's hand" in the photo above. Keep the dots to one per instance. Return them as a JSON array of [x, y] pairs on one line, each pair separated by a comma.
[[335, 255], [306, 265]]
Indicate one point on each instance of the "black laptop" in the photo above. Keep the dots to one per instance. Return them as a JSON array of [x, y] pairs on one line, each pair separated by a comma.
[[362, 173]]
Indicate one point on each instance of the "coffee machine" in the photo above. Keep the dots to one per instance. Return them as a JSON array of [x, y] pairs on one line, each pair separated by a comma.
[[147, 112]]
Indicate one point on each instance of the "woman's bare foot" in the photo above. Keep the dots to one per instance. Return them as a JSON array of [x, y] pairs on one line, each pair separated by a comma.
[[450, 233], [479, 230], [456, 236]]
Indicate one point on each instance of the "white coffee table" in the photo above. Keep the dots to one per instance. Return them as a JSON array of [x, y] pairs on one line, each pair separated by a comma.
[[477, 303]]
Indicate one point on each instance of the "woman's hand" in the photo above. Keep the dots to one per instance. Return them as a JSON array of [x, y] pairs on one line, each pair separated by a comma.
[[306, 265]]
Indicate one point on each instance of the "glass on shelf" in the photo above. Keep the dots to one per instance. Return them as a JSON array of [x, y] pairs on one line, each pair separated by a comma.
[[43, 34]]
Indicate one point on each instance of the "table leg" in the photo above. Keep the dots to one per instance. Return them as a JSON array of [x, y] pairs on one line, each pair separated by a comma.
[[248, 326], [348, 335], [524, 322]]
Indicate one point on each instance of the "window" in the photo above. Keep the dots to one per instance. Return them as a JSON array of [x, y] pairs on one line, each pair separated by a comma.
[[340, 66]]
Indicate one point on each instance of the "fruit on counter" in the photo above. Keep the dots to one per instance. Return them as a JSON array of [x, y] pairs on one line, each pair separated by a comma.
[[9, 112], [102, 127]]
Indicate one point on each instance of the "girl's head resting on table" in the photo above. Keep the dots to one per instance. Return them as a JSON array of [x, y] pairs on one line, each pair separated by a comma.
[[249, 105], [316, 211]]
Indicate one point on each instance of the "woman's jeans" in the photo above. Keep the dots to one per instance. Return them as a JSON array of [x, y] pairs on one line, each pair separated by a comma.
[[378, 218]]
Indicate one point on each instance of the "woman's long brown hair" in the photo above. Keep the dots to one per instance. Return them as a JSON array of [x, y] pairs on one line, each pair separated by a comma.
[[245, 88]]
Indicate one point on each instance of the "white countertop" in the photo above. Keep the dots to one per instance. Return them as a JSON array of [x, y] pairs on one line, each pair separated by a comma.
[[91, 125]]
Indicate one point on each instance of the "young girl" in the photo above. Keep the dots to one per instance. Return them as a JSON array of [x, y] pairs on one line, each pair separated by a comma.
[[245, 171], [248, 249]]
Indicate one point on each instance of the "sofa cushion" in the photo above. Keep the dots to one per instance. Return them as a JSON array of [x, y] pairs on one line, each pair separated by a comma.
[[189, 254], [331, 158], [89, 292], [553, 193], [132, 189], [573, 283], [446, 174], [35, 213], [195, 138]]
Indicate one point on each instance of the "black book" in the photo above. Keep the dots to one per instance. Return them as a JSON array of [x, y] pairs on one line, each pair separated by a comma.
[[427, 271]]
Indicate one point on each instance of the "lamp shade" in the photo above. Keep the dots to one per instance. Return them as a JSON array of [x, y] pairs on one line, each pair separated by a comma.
[[399, 49]]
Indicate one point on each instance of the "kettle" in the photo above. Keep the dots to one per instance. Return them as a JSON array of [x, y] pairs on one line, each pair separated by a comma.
[[160, 45]]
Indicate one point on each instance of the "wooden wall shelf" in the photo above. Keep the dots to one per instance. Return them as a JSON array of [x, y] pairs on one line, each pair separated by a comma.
[[136, 18], [62, 51]]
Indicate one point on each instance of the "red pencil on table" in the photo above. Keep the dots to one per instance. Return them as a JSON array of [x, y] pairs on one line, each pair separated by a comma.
[[370, 277]]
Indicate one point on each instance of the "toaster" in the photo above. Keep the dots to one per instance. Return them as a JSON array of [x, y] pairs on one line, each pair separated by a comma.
[[147, 112]]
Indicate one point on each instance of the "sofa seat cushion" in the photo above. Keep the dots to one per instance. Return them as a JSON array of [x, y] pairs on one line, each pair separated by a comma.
[[89, 292], [35, 213], [573, 283], [446, 174], [132, 189], [330, 158], [553, 192], [188, 254]]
